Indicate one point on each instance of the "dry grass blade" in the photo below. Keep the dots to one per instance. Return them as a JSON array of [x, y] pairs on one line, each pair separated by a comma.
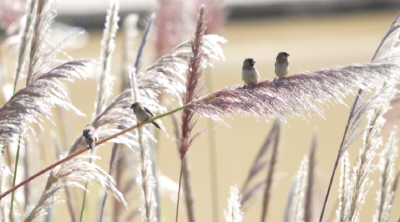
[[385, 194], [271, 171], [308, 205], [234, 213], [299, 95], [258, 165]]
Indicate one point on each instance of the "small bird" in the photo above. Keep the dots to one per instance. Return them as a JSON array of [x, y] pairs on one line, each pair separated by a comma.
[[250, 75], [90, 136], [142, 113], [282, 65]]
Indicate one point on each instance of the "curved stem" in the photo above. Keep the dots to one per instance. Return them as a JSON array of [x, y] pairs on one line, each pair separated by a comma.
[[77, 153]]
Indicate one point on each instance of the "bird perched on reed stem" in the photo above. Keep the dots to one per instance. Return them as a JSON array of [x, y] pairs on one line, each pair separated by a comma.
[[142, 113], [90, 136], [250, 75], [282, 65]]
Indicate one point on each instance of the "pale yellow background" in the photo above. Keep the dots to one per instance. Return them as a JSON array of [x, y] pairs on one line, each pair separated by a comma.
[[312, 42]]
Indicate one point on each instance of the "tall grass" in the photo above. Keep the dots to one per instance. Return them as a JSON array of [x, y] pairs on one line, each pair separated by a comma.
[[177, 74]]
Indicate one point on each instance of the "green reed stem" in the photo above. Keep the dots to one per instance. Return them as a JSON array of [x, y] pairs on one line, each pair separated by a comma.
[[83, 203], [14, 178]]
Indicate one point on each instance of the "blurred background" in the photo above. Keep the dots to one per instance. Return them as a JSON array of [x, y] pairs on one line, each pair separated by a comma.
[[316, 34]]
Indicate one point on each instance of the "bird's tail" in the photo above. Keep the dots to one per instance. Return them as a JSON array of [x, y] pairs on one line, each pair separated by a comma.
[[155, 124], [92, 146]]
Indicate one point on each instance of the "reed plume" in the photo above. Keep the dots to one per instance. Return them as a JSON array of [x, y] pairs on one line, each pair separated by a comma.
[[26, 38], [70, 174], [298, 198], [193, 90], [43, 89], [359, 182], [298, 95], [234, 213], [170, 25], [104, 86], [107, 49], [343, 187], [145, 173], [385, 195], [310, 190], [129, 33]]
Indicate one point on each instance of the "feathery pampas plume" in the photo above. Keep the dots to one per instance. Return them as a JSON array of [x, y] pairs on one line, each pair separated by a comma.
[[298, 196], [44, 89], [385, 195], [5, 202], [389, 50], [309, 203], [129, 33], [107, 48], [145, 173], [193, 90], [343, 187], [166, 75], [299, 95], [104, 86], [70, 174], [359, 183], [170, 25], [26, 37], [376, 105], [234, 214]]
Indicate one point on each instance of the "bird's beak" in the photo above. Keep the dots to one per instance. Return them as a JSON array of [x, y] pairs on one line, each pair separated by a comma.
[[131, 107]]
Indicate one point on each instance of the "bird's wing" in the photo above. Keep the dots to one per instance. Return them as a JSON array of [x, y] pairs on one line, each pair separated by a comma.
[[147, 110]]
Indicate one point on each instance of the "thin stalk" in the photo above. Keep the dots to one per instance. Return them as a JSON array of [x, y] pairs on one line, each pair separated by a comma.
[[179, 192], [83, 203], [77, 153], [14, 178], [213, 160]]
